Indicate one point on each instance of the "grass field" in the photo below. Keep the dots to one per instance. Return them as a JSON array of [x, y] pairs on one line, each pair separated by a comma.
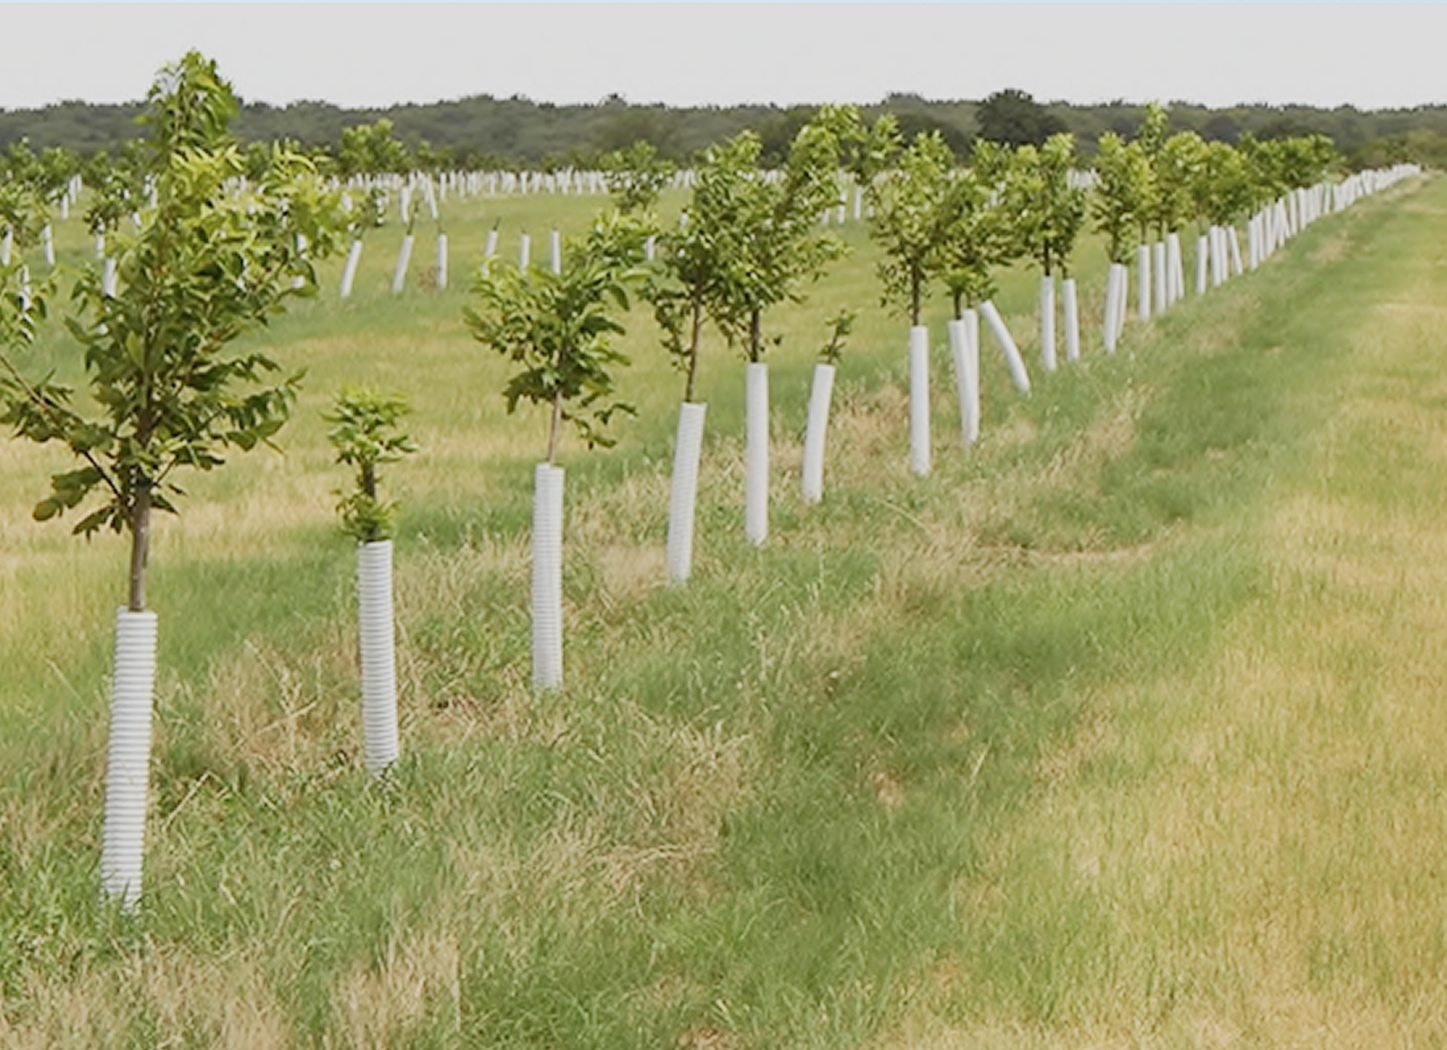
[[1120, 729]]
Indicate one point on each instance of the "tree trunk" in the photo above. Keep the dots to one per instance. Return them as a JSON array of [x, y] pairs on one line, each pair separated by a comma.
[[140, 547], [755, 337], [557, 425], [693, 352]]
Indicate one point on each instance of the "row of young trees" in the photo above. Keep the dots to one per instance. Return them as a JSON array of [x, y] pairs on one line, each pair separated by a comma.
[[217, 242]]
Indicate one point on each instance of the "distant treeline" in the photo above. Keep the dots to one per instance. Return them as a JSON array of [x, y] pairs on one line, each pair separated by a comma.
[[486, 132]]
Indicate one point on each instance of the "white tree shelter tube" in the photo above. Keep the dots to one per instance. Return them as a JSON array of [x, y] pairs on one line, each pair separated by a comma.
[[683, 493], [965, 351], [404, 258], [1114, 305], [919, 440], [47, 244], [1122, 305], [1071, 305], [1143, 282], [1234, 243], [525, 251], [349, 272], [441, 260], [1202, 257], [756, 452], [1161, 278], [128, 757], [490, 248], [1047, 322], [547, 593], [7, 246], [555, 251], [108, 278], [820, 394], [1007, 344], [379, 656], [1176, 290]]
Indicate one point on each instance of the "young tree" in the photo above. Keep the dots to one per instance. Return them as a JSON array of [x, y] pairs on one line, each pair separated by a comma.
[[559, 327], [912, 221], [165, 394], [636, 176], [366, 433], [979, 241]]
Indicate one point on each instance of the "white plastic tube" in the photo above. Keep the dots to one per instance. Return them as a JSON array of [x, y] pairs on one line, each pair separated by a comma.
[[1234, 243], [919, 439], [965, 351], [7, 246], [1002, 336], [1047, 322], [1202, 258], [377, 637], [756, 452], [1071, 305], [128, 757], [490, 250], [108, 278], [683, 491], [547, 592], [100, 246], [47, 244], [349, 272], [821, 393], [555, 251], [1122, 292], [404, 258], [1176, 288], [650, 248], [1143, 282], [858, 202], [525, 251], [1114, 306], [1161, 276], [442, 260]]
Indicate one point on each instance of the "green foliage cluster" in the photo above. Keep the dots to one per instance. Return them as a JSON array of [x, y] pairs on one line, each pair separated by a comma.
[[560, 327], [636, 176], [366, 433], [165, 394]]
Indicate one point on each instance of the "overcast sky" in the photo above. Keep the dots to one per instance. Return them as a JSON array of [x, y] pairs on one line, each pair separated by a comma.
[[1369, 55]]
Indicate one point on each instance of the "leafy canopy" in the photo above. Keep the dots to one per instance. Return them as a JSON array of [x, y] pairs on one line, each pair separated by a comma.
[[209, 262], [366, 433], [559, 327]]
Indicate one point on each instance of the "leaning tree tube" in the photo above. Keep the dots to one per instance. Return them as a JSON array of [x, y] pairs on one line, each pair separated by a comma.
[[379, 656], [1071, 305], [919, 440], [965, 351], [349, 272], [404, 258], [756, 452], [1002, 336], [683, 491], [1047, 322], [128, 757], [547, 578], [820, 393]]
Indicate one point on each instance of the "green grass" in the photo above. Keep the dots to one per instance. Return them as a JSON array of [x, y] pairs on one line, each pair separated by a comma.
[[1024, 753]]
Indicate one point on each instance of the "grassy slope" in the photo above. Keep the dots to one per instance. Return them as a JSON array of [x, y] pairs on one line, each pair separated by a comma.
[[1115, 730]]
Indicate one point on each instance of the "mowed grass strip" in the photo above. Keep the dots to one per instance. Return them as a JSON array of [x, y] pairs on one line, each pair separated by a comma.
[[1117, 729]]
